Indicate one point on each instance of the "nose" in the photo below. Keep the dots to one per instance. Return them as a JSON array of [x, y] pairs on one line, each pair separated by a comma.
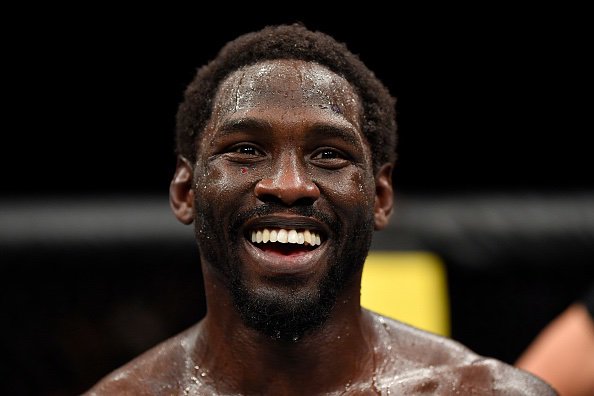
[[289, 184]]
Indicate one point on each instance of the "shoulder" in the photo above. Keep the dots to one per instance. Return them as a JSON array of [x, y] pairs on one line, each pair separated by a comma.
[[156, 371], [480, 377], [424, 362], [415, 347]]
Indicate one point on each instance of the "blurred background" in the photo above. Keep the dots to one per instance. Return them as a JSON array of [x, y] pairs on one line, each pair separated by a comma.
[[493, 174]]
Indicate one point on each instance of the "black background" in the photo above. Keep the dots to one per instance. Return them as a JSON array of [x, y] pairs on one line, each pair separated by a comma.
[[491, 99]]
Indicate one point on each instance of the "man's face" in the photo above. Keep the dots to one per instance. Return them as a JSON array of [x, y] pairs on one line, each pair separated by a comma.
[[283, 158]]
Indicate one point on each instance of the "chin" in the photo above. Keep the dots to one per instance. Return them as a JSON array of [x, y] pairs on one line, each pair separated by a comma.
[[283, 313], [290, 309]]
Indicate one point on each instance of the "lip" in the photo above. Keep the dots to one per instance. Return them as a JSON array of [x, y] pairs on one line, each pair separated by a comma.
[[287, 222], [276, 264]]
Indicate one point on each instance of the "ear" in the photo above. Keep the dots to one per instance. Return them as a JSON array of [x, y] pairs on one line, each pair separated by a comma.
[[181, 194], [384, 196]]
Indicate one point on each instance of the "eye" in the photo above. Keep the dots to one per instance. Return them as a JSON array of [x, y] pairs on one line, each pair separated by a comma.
[[246, 150], [330, 158], [244, 153], [327, 154]]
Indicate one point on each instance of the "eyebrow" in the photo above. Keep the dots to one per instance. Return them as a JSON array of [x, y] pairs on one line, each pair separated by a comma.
[[243, 124], [328, 130], [335, 131]]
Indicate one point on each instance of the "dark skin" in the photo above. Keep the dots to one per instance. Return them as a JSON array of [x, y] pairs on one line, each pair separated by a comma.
[[287, 133]]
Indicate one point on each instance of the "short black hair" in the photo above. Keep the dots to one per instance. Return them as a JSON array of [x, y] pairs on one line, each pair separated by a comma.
[[289, 42]]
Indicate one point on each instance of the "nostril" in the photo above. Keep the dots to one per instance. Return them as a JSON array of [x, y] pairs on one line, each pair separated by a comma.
[[272, 199], [305, 201], [287, 190]]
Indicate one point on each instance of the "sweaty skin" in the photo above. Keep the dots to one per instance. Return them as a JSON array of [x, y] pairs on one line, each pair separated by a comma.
[[284, 150]]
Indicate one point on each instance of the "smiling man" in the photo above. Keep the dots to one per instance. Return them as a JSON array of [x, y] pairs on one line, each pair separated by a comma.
[[286, 144]]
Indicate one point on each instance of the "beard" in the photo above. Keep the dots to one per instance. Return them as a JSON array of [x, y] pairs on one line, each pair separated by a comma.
[[289, 311]]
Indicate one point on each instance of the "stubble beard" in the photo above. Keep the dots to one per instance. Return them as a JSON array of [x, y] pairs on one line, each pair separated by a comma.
[[290, 311]]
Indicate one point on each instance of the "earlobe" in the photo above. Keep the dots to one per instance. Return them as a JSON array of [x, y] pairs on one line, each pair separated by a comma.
[[384, 196], [181, 194]]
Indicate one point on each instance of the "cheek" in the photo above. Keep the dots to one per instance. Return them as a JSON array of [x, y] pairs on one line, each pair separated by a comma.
[[365, 186], [220, 192], [350, 192], [223, 184]]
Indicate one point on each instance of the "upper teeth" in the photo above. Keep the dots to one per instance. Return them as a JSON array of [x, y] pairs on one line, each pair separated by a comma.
[[305, 237]]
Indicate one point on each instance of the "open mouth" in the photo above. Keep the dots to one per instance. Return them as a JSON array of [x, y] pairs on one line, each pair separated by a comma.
[[286, 242]]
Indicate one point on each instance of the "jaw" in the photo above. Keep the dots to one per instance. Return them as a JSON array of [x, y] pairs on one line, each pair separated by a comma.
[[283, 289], [284, 293]]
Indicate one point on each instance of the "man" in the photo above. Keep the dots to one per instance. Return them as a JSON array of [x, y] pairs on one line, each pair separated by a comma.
[[563, 353], [286, 144]]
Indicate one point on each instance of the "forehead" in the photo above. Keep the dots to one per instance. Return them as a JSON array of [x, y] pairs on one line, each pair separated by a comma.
[[286, 85]]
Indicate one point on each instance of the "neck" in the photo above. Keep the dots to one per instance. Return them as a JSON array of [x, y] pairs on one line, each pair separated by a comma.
[[239, 359]]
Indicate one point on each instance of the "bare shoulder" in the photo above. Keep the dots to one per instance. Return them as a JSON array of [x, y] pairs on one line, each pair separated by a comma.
[[416, 361], [157, 371]]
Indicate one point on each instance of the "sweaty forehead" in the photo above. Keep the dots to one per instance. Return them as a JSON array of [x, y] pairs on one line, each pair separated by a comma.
[[286, 84]]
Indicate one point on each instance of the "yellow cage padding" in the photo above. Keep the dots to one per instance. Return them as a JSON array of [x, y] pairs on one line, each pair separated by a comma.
[[408, 286]]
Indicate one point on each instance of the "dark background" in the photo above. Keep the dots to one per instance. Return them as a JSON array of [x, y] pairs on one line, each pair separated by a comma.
[[487, 99], [490, 101]]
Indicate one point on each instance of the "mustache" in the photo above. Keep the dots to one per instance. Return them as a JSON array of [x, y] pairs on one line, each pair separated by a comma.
[[268, 209]]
